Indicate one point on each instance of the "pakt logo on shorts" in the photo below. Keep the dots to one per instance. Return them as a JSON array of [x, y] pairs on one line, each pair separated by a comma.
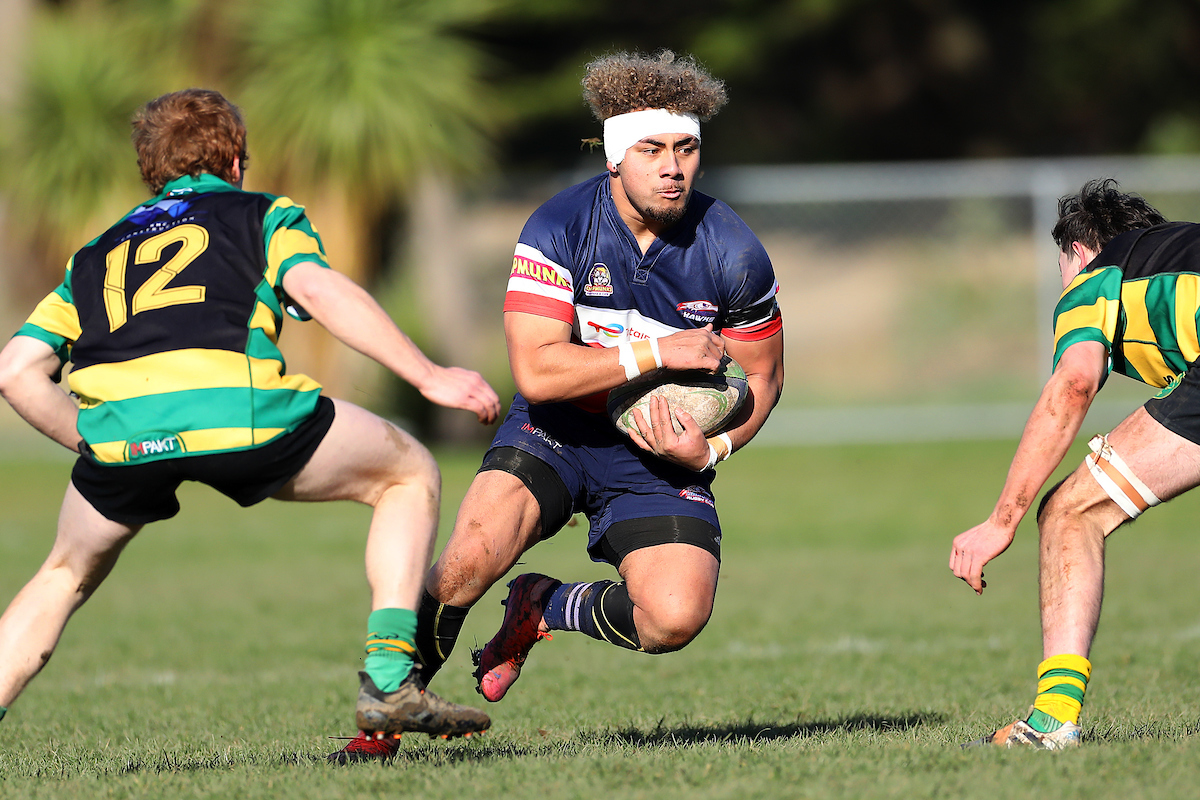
[[541, 434], [153, 444], [700, 311], [697, 494], [542, 273]]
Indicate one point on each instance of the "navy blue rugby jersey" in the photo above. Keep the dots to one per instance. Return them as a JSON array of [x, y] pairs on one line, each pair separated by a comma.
[[578, 262]]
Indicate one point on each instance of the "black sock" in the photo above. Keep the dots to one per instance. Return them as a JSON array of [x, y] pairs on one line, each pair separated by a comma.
[[438, 626]]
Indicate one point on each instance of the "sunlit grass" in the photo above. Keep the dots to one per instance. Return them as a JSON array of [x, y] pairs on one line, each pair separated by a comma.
[[843, 660]]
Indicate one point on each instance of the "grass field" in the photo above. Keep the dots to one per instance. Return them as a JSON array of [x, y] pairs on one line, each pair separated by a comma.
[[843, 659]]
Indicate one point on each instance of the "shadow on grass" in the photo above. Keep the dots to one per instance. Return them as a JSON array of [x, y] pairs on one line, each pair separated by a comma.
[[758, 731], [665, 735]]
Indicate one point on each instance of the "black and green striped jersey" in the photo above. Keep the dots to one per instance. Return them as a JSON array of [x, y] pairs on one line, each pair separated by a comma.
[[171, 320], [1140, 298]]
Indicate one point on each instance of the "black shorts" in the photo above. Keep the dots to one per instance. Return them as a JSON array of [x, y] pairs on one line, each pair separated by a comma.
[[1177, 407], [136, 494]]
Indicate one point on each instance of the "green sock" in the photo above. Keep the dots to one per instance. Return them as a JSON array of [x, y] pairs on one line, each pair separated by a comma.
[[390, 649], [3, 711]]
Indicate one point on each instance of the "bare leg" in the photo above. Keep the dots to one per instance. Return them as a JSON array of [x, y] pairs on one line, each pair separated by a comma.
[[367, 459], [1080, 515], [672, 587], [1071, 564], [85, 550], [499, 519]]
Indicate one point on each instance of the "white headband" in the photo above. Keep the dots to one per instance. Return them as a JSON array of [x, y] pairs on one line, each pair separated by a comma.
[[625, 130]]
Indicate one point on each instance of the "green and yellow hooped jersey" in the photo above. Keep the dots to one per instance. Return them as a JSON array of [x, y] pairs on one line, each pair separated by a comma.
[[171, 320], [1140, 298]]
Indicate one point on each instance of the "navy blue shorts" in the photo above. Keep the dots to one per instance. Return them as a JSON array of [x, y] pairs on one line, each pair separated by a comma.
[[605, 475]]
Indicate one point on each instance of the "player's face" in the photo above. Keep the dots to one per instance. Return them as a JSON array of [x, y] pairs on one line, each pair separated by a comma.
[[657, 176]]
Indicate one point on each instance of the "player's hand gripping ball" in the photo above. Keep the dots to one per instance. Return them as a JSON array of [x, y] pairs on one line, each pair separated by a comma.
[[712, 399]]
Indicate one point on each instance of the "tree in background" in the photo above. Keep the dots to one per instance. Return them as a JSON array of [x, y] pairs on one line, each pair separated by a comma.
[[352, 105], [877, 80], [373, 111]]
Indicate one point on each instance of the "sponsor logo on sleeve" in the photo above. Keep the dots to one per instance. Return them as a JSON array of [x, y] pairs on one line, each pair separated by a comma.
[[542, 273]]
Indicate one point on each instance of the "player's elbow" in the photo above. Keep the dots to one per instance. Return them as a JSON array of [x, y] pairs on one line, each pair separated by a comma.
[[533, 384], [536, 391], [1075, 390], [14, 370]]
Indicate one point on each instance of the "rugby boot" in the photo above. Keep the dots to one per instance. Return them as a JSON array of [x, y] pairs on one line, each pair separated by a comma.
[[498, 664], [366, 748], [1021, 734], [412, 707]]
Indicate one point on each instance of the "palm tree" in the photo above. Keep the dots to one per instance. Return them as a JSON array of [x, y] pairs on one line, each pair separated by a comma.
[[352, 104], [349, 104], [67, 160]]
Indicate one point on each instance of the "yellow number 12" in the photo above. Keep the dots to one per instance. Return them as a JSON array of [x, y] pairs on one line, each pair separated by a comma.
[[153, 294]]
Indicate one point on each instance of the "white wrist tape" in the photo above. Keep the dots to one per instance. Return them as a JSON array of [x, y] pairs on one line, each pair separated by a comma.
[[719, 448], [639, 357], [1117, 479]]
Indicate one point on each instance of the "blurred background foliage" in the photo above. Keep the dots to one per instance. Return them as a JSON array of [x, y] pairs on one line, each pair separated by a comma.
[[365, 110]]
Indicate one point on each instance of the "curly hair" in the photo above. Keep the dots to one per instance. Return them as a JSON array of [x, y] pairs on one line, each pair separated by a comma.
[[1098, 213], [624, 82], [188, 133]]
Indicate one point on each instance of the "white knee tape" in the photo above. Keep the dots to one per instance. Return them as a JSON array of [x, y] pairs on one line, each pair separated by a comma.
[[1117, 479]]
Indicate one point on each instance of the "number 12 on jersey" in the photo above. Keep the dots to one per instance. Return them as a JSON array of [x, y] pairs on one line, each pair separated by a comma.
[[153, 292]]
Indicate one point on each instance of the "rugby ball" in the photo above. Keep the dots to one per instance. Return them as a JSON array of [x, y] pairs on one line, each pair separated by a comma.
[[712, 399]]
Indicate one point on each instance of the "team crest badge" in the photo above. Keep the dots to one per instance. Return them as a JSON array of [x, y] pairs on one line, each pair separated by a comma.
[[700, 311], [599, 282]]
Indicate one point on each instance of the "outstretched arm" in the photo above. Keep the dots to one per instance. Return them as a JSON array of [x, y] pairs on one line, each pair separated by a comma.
[[27, 370], [1049, 433], [349, 312]]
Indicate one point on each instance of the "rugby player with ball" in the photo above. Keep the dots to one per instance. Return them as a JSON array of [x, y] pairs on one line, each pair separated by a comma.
[[629, 273]]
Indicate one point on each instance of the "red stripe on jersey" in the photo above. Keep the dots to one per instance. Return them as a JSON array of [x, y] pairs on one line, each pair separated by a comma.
[[755, 333], [594, 403], [541, 306]]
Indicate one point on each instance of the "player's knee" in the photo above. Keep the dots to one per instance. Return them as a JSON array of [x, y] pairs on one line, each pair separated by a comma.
[[1064, 502], [671, 628], [1042, 507], [414, 466], [1078, 503]]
